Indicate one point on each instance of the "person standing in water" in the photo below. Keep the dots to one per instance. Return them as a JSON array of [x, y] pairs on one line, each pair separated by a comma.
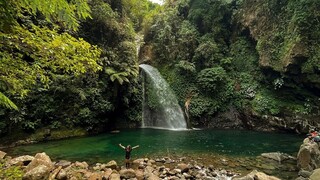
[[128, 150]]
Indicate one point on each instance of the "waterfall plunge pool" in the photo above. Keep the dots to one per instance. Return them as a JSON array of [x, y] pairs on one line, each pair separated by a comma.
[[233, 150], [160, 143]]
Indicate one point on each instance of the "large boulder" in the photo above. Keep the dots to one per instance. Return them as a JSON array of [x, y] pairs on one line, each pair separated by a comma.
[[39, 168], [107, 172], [308, 157], [139, 174], [114, 176], [127, 173], [24, 160], [111, 164], [40, 172], [40, 159]]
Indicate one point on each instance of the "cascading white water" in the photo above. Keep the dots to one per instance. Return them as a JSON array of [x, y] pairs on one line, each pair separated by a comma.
[[160, 105]]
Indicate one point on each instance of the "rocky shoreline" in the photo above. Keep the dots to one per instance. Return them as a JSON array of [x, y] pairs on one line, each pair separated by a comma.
[[40, 167]]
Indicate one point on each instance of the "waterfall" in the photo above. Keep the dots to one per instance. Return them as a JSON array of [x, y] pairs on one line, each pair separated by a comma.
[[160, 105]]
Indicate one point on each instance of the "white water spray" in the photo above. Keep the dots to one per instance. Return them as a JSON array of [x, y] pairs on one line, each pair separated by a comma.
[[160, 105]]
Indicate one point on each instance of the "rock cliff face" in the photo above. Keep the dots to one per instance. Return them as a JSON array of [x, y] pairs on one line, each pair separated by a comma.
[[287, 51], [234, 119], [284, 44]]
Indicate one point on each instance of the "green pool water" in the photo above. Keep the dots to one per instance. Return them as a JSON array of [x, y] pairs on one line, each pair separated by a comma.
[[156, 142]]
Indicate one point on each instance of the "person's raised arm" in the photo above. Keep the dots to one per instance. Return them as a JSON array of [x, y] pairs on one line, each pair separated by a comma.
[[135, 147], [122, 146]]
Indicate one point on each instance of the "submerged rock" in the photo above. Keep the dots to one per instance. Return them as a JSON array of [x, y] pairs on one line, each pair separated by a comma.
[[183, 167], [63, 163], [255, 175], [277, 156]]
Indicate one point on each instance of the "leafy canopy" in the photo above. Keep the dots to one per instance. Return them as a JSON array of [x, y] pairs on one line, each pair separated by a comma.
[[28, 57], [64, 12], [32, 53]]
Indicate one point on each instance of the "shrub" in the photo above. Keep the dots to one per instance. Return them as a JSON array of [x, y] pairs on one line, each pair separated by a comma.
[[10, 172], [211, 79]]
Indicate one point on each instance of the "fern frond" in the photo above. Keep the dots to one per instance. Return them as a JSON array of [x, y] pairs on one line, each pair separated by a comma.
[[6, 102], [110, 71]]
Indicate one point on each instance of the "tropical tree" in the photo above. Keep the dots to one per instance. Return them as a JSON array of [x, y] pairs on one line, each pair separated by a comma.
[[33, 50], [62, 12]]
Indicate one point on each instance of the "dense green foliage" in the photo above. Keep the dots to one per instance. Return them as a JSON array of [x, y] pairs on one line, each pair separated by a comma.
[[27, 50], [66, 13], [66, 64], [11, 172], [74, 63], [191, 43], [35, 53], [244, 54]]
